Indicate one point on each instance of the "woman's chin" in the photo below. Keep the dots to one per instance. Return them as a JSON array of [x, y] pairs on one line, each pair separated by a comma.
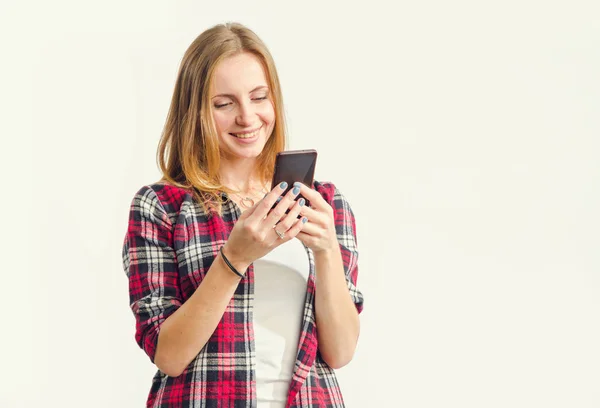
[[251, 151], [243, 154]]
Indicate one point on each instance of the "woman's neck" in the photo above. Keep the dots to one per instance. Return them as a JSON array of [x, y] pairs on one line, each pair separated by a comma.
[[240, 175]]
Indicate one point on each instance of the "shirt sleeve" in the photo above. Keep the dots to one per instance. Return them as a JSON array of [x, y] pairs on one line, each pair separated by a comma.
[[345, 227], [150, 263]]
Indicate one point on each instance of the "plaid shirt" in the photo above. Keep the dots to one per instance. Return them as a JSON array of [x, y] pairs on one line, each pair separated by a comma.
[[169, 246]]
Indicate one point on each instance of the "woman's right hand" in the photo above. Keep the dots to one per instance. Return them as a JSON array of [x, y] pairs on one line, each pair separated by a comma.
[[255, 233]]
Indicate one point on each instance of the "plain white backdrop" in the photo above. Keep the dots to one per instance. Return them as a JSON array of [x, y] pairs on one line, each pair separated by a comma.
[[465, 135]]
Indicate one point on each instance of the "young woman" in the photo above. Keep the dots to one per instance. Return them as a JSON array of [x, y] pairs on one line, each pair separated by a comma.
[[238, 304]]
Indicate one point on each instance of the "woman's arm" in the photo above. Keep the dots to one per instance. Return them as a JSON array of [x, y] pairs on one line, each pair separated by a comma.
[[330, 232], [170, 331], [338, 325], [186, 331]]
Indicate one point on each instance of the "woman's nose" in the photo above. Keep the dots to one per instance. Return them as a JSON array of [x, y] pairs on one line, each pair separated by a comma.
[[244, 115]]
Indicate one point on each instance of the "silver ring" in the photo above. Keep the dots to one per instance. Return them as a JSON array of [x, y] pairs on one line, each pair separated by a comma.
[[279, 234]]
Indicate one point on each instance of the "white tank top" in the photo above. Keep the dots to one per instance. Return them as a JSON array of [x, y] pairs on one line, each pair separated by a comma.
[[280, 280]]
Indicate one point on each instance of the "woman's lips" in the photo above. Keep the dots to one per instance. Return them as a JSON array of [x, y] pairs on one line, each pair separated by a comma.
[[247, 135]]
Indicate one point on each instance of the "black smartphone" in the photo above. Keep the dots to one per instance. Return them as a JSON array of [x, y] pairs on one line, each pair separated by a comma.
[[295, 165]]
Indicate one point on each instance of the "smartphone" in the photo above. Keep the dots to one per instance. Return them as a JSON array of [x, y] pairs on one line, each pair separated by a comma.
[[295, 165]]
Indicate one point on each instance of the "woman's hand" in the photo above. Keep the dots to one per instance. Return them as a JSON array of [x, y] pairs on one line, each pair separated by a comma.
[[319, 232], [260, 229]]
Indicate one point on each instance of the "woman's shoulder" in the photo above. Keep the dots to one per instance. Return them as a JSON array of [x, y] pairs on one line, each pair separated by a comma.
[[333, 196], [165, 196], [325, 188], [328, 191]]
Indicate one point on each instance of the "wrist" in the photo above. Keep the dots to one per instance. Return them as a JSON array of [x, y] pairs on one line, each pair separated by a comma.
[[232, 259], [329, 252]]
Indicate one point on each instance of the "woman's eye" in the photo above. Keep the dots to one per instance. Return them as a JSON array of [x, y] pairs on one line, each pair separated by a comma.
[[223, 105]]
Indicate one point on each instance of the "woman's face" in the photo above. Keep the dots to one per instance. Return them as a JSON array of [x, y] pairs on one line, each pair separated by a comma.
[[242, 109]]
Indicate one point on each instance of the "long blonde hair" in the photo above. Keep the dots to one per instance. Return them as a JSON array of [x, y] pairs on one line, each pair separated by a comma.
[[188, 153]]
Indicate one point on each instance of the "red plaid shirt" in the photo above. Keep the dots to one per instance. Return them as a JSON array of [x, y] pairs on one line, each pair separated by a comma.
[[169, 246]]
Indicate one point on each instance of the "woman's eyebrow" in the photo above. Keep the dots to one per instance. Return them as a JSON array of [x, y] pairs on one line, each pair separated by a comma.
[[232, 96]]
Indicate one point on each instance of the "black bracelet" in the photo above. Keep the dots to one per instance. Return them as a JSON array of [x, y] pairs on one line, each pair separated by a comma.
[[230, 265]]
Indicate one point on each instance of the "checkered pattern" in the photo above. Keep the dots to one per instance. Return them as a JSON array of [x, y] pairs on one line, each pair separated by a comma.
[[169, 246]]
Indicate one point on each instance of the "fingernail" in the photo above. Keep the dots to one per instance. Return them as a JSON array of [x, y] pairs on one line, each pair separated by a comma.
[[296, 190], [304, 220], [278, 199], [283, 185], [297, 184], [301, 202]]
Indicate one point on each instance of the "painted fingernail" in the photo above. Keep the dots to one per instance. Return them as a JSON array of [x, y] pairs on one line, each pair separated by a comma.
[[304, 220], [283, 185], [296, 190], [297, 184], [301, 202], [278, 199]]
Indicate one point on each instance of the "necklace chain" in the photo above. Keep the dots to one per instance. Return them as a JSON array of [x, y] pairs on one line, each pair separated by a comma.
[[245, 200]]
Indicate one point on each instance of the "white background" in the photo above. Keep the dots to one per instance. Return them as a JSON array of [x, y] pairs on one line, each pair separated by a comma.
[[465, 135]]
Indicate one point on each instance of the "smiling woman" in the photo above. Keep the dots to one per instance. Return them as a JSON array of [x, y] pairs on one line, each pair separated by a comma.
[[244, 116], [227, 88], [223, 267]]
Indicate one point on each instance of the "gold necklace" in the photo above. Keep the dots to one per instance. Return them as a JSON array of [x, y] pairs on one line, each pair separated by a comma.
[[246, 201]]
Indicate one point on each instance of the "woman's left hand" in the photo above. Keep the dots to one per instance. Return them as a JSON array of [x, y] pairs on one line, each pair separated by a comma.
[[319, 231]]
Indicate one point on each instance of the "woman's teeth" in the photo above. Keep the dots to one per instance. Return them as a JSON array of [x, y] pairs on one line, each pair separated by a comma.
[[246, 135]]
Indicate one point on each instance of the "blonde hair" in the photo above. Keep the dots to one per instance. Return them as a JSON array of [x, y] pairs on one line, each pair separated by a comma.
[[188, 153]]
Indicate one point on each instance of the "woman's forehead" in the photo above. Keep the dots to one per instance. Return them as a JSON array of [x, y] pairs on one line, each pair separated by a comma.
[[238, 74]]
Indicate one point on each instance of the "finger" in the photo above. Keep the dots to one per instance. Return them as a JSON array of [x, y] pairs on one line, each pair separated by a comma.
[[316, 218], [278, 212], [312, 214], [305, 238], [263, 207], [311, 229], [289, 226], [296, 228], [290, 219], [315, 198]]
